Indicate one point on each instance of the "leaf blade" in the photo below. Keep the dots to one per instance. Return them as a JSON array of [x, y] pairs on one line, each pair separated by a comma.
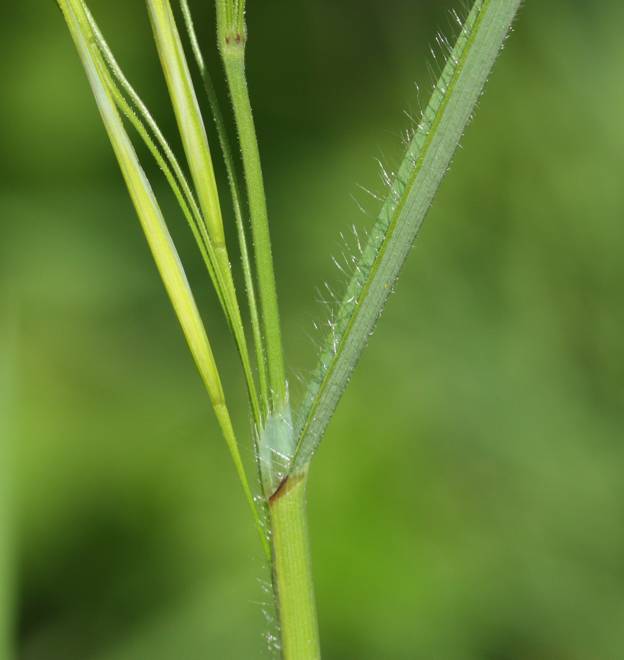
[[424, 166]]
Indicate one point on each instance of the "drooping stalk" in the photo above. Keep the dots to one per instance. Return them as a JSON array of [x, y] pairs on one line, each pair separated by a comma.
[[292, 572], [232, 37]]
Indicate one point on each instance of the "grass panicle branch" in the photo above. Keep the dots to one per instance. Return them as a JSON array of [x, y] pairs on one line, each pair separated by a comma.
[[155, 229], [133, 108]]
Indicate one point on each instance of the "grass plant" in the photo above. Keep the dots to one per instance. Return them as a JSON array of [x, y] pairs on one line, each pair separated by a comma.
[[284, 444]]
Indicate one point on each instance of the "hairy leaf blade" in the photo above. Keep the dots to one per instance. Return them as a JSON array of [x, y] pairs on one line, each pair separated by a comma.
[[411, 193]]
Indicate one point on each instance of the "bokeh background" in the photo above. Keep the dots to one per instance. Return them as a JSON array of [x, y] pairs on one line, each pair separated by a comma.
[[468, 501]]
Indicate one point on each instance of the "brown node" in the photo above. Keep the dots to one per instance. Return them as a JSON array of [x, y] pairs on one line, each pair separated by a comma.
[[286, 484]]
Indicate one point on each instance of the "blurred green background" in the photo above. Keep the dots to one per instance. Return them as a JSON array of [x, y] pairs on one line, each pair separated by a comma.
[[468, 501]]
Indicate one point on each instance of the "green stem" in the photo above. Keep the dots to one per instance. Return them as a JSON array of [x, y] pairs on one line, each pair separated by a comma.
[[235, 191], [197, 149], [292, 571], [232, 38]]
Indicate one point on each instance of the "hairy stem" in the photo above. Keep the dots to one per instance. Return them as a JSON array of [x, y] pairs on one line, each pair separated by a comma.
[[292, 573]]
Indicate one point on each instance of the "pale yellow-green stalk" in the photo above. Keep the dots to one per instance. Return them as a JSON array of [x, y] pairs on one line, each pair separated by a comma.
[[161, 245], [188, 115]]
